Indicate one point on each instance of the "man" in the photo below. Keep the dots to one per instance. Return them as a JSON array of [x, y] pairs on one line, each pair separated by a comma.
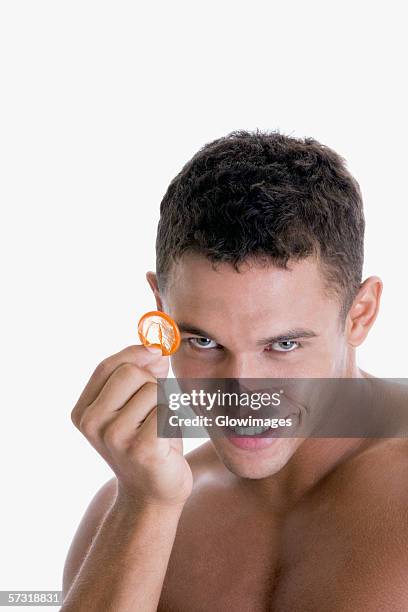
[[259, 261]]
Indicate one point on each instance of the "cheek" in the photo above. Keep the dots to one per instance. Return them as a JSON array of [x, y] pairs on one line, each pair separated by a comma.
[[329, 359], [185, 367]]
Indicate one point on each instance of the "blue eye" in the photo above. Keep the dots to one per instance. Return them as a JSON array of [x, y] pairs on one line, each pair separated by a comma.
[[283, 346], [205, 344]]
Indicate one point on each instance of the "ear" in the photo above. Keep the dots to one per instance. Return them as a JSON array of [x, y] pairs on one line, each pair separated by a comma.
[[152, 280], [364, 310]]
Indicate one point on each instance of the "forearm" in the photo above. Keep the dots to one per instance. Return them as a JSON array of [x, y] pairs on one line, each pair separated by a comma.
[[125, 567]]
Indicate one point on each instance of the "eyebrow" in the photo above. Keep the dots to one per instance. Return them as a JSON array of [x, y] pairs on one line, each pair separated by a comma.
[[290, 334]]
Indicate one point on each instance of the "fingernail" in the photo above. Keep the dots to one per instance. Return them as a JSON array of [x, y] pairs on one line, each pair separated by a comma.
[[154, 349]]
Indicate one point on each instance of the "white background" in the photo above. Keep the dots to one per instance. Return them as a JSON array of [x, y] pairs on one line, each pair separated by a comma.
[[101, 105]]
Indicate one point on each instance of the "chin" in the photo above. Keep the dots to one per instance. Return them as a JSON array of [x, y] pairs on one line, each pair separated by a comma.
[[256, 464]]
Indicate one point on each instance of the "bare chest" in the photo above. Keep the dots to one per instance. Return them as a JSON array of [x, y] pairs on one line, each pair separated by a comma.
[[309, 561], [223, 566]]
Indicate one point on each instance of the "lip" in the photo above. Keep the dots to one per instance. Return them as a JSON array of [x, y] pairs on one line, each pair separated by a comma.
[[254, 442], [251, 443]]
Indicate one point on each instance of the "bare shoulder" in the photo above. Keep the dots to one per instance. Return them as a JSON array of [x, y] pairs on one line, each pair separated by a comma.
[[87, 530], [380, 470], [202, 460], [373, 515]]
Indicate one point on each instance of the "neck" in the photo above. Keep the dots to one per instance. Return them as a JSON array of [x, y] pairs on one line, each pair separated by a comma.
[[314, 459], [311, 462]]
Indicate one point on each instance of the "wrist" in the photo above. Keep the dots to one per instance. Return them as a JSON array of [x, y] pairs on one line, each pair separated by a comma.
[[127, 504]]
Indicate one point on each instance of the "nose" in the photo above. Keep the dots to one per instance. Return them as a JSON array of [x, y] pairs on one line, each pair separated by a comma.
[[238, 366]]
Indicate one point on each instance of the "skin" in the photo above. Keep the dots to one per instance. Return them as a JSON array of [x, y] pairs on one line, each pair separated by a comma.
[[287, 489], [215, 302], [303, 525]]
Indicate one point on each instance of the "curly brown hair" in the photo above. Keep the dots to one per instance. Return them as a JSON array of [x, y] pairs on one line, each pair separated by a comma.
[[268, 196]]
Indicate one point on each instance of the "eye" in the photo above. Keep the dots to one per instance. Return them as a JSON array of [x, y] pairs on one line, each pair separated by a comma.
[[285, 346], [202, 343]]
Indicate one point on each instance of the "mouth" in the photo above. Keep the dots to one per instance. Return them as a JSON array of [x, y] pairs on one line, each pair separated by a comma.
[[253, 437], [249, 431]]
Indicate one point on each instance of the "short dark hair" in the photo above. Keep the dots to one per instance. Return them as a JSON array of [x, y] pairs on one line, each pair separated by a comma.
[[266, 196]]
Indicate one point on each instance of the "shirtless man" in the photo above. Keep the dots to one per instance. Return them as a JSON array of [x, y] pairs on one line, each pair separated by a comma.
[[259, 261]]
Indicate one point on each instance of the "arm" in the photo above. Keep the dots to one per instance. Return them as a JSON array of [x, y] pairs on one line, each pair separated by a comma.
[[119, 556], [125, 566], [86, 532]]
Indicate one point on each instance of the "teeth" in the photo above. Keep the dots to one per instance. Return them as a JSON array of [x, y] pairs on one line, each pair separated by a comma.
[[249, 431]]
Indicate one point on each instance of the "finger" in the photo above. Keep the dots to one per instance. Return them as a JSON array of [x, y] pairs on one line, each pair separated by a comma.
[[128, 421], [159, 368], [148, 432], [125, 381], [137, 354]]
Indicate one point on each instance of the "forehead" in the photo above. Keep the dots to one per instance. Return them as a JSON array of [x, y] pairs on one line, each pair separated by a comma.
[[256, 296]]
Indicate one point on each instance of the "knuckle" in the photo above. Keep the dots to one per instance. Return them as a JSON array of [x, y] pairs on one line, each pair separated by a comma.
[[128, 369], [102, 366], [75, 417], [133, 350], [88, 425], [149, 386], [112, 435]]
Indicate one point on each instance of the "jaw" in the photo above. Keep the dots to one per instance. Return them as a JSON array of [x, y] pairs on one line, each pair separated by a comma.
[[255, 463]]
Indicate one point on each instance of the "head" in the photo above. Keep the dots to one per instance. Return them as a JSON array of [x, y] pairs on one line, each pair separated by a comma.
[[259, 257]]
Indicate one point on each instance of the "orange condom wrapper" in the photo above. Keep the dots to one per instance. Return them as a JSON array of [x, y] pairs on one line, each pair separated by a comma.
[[156, 328]]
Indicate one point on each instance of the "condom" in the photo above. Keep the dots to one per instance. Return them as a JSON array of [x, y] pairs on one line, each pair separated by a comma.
[[157, 328]]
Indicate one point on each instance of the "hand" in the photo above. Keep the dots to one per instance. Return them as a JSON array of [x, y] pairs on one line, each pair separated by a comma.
[[117, 413]]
